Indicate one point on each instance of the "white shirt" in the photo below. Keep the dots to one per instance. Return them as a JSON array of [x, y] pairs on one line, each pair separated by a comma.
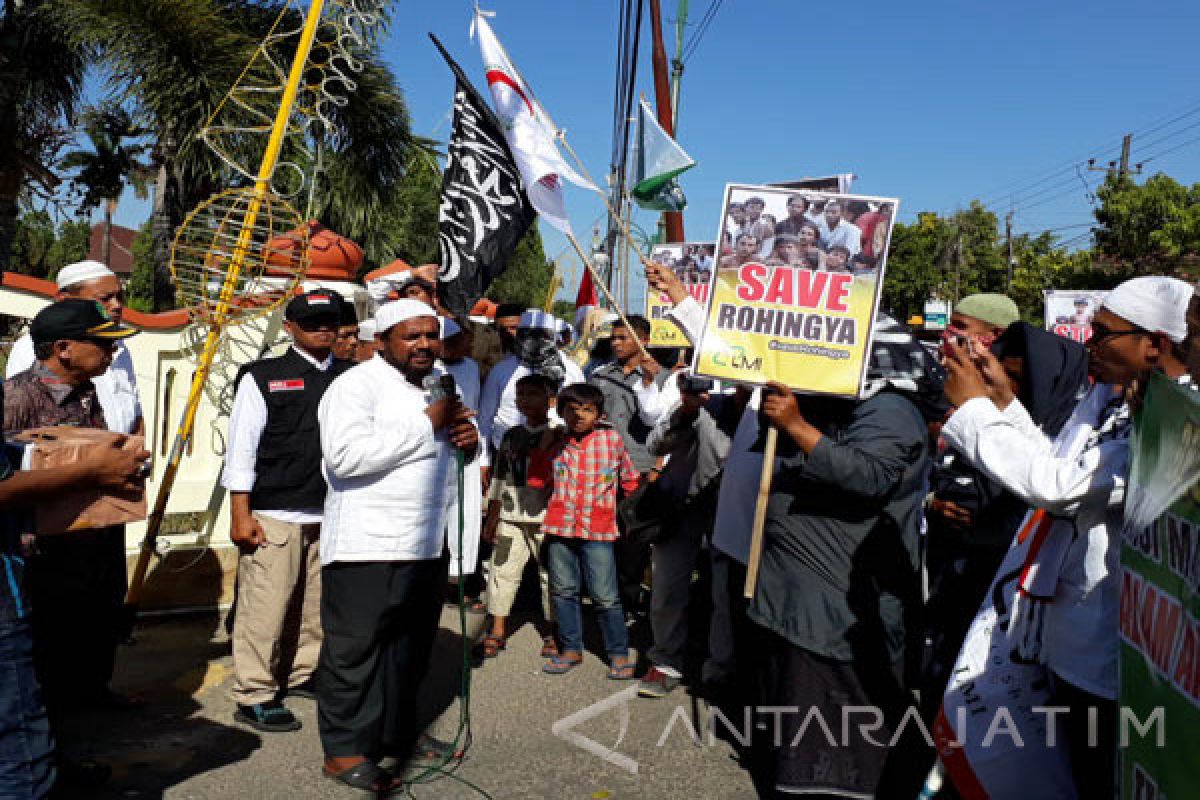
[[498, 403], [847, 234], [466, 376], [1086, 484], [116, 389], [247, 420], [390, 475]]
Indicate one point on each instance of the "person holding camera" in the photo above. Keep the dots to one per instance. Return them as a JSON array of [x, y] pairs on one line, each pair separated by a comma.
[[695, 444]]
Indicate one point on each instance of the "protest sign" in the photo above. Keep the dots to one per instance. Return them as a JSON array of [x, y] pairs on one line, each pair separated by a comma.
[[693, 264], [796, 288], [1160, 608], [1069, 312]]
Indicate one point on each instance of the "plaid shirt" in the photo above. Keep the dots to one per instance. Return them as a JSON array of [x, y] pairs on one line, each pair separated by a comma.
[[586, 475]]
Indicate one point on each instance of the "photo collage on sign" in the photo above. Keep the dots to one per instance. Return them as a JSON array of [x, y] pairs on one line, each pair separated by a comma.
[[796, 287]]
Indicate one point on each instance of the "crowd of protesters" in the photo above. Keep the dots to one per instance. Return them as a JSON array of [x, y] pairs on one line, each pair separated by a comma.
[[377, 462]]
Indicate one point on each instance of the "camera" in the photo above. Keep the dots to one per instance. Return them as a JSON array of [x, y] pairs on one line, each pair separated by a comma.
[[694, 383]]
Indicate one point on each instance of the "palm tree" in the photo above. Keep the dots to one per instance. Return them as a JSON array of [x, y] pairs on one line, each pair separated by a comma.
[[41, 76], [102, 172], [174, 61]]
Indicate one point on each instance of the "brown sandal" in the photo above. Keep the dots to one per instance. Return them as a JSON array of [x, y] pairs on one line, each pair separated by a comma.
[[493, 644], [549, 647]]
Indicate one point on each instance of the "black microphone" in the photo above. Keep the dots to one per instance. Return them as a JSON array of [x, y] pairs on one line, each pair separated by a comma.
[[440, 386]]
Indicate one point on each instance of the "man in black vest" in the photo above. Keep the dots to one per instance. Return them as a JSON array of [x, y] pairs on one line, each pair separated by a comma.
[[277, 493]]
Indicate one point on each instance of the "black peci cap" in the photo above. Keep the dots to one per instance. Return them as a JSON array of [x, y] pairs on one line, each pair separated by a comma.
[[317, 304], [76, 319]]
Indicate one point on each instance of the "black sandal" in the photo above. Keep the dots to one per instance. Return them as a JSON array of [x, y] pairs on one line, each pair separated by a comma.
[[429, 751], [366, 776]]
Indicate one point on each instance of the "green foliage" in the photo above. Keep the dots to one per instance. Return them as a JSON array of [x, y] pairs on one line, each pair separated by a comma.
[[527, 278], [31, 245], [113, 160], [564, 310], [408, 225], [41, 77], [140, 289], [1148, 228], [74, 238]]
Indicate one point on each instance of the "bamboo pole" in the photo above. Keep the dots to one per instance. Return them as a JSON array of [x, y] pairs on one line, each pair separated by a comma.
[[622, 226], [241, 251], [760, 511]]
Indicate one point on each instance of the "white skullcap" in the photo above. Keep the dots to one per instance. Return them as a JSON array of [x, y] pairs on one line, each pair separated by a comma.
[[539, 320], [1154, 303], [450, 328], [82, 271], [366, 330], [401, 310]]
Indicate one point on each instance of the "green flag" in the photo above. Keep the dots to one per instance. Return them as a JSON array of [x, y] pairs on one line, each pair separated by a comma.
[[1159, 655], [659, 161]]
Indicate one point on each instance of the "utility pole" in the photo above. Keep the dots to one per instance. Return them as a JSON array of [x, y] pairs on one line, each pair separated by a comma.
[[1121, 168], [1008, 220], [662, 101], [677, 62]]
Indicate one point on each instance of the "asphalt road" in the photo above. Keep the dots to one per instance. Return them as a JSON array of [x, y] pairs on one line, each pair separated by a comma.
[[184, 742]]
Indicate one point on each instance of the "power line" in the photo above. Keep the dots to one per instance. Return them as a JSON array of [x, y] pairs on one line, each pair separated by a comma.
[[705, 21], [1162, 153], [1022, 186]]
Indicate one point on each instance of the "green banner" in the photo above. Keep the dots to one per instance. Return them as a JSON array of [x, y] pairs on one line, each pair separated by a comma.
[[1160, 607]]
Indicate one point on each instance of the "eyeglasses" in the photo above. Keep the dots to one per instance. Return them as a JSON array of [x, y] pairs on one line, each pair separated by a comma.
[[1101, 334]]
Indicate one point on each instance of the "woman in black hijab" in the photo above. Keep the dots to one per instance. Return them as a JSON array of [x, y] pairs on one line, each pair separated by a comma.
[[971, 520]]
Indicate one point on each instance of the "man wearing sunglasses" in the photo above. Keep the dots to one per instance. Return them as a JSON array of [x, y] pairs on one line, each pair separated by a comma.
[[1066, 603], [277, 494]]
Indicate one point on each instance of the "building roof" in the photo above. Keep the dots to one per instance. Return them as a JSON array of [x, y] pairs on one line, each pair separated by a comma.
[[121, 251]]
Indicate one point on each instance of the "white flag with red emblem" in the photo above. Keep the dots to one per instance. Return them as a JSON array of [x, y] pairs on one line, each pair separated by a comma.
[[586, 300], [529, 130]]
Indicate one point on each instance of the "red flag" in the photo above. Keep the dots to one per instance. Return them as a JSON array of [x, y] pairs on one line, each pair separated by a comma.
[[586, 300]]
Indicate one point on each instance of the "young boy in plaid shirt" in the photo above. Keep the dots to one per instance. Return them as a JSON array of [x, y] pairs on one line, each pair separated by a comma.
[[580, 527]]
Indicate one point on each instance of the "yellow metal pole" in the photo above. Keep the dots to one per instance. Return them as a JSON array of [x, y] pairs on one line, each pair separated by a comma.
[[244, 242]]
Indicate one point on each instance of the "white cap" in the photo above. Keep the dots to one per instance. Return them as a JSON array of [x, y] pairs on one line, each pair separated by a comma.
[[82, 271], [402, 279], [401, 310], [450, 328], [538, 320], [366, 330], [1154, 303]]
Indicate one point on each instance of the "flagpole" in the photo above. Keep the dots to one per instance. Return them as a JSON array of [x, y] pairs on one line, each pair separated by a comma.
[[599, 282], [621, 224]]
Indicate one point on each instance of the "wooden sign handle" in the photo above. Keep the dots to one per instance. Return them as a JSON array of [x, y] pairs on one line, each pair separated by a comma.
[[760, 511]]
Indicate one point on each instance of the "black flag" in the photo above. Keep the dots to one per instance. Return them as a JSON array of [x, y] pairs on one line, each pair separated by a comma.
[[484, 211]]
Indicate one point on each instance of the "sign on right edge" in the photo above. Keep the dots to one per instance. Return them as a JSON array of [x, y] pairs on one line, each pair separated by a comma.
[[796, 288]]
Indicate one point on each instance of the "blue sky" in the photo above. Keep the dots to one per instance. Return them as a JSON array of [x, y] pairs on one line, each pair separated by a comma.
[[935, 102]]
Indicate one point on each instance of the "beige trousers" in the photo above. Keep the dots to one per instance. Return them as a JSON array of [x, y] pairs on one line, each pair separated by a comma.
[[277, 624], [516, 543]]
